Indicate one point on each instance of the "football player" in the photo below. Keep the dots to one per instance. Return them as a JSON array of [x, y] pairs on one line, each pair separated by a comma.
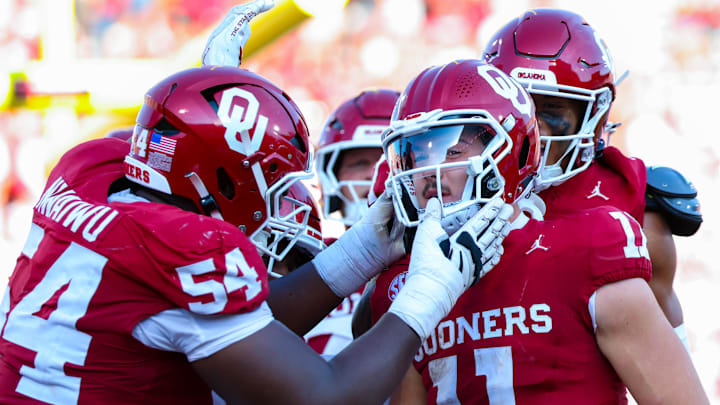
[[567, 69], [566, 316], [297, 201], [348, 150], [141, 282]]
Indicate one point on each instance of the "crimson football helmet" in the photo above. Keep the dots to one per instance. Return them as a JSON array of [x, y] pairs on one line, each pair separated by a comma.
[[557, 53], [356, 123], [465, 133], [123, 134], [232, 144]]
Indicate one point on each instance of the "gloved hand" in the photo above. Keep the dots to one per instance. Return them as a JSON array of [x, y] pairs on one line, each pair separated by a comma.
[[442, 268], [368, 247], [476, 247], [226, 43]]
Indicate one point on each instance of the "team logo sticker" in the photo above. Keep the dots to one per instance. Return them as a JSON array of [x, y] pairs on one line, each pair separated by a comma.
[[239, 112]]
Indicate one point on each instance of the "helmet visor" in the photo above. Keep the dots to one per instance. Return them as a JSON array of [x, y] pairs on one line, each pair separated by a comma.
[[436, 161]]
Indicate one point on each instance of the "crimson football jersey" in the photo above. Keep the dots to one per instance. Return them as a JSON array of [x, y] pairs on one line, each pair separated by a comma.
[[613, 179], [524, 333], [92, 270]]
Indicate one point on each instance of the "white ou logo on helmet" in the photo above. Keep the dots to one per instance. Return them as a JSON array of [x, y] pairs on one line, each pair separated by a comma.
[[506, 87], [237, 120]]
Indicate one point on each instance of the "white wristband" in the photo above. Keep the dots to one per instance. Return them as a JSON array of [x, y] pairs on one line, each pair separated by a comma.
[[340, 270]]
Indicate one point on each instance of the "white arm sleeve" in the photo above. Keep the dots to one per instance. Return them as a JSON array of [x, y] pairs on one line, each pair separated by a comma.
[[199, 336]]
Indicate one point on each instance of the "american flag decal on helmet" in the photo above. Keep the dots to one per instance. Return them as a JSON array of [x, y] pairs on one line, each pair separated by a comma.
[[162, 144]]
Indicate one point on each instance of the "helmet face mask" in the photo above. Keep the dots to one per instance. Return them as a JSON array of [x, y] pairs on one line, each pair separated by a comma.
[[287, 219], [464, 133], [345, 199], [355, 125], [556, 53], [227, 140], [580, 148], [295, 234], [447, 155]]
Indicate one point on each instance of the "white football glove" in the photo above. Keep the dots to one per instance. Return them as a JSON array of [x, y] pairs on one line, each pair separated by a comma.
[[476, 247], [364, 250], [442, 268], [226, 43]]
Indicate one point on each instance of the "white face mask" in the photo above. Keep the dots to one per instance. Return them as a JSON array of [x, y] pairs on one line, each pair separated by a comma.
[[452, 222], [554, 174], [353, 211], [549, 172]]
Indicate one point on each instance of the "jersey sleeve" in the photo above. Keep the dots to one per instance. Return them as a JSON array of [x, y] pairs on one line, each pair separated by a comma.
[[618, 247], [196, 336], [197, 263]]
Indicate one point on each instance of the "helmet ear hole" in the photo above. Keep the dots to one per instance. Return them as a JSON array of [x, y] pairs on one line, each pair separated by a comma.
[[225, 184]]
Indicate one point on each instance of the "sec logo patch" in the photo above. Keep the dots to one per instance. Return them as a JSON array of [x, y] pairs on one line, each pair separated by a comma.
[[395, 285]]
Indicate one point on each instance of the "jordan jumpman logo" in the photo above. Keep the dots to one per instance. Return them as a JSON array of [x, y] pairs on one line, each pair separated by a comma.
[[536, 245], [596, 193]]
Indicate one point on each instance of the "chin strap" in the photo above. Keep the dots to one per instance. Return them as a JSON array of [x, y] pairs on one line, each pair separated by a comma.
[[554, 170], [207, 202], [533, 205]]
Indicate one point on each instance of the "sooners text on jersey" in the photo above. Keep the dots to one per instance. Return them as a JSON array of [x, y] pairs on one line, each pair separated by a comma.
[[524, 334]]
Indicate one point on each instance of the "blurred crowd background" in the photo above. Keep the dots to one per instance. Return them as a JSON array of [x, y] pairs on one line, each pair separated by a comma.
[[71, 70]]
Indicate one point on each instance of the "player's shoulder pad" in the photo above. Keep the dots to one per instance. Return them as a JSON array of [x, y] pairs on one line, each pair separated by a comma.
[[670, 194]]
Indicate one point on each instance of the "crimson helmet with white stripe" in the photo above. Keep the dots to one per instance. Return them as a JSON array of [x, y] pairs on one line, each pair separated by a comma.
[[356, 123], [227, 140]]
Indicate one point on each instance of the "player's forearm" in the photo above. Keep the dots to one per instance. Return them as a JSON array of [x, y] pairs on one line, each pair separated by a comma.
[[360, 362], [366, 372], [301, 299], [362, 315]]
